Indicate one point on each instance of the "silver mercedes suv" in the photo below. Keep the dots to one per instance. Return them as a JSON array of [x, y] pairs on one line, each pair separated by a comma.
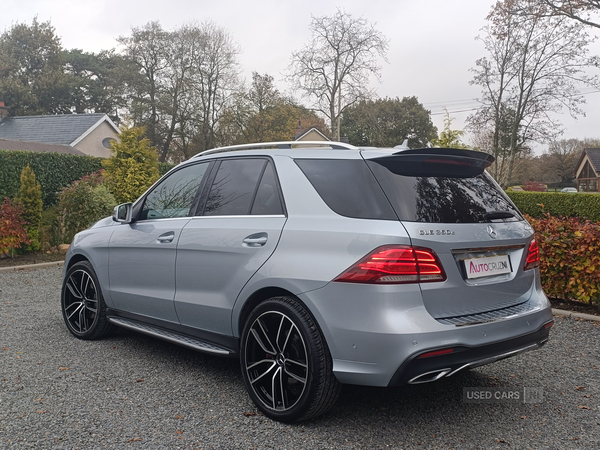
[[317, 264]]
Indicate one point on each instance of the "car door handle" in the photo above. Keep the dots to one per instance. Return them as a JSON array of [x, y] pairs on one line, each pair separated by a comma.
[[166, 238], [256, 240]]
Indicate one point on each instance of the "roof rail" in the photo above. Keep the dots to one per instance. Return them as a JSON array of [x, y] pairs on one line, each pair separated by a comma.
[[279, 145]]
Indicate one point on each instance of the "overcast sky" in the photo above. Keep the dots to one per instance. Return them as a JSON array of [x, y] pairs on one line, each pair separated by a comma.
[[432, 42]]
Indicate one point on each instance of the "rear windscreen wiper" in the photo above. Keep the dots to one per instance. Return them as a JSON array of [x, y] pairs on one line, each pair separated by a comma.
[[499, 215]]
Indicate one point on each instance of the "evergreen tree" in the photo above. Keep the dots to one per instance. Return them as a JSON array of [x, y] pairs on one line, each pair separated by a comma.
[[133, 165], [449, 138], [30, 198]]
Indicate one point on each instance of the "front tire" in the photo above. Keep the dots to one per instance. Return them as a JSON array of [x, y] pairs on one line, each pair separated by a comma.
[[82, 303], [286, 363]]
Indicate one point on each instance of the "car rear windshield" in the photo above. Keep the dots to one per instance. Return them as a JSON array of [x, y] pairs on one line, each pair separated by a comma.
[[443, 199]]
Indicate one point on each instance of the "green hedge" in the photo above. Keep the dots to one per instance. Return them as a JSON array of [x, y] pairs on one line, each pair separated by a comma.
[[53, 171], [536, 204]]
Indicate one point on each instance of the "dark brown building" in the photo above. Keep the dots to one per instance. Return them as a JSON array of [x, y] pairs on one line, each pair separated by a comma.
[[587, 171]]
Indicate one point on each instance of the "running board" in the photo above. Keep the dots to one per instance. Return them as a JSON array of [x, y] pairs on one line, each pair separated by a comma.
[[171, 336]]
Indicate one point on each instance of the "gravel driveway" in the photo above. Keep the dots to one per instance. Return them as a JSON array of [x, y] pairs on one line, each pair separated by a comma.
[[131, 391]]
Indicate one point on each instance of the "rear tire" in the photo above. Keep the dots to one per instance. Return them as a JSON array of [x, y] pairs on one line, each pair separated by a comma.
[[82, 303], [286, 364]]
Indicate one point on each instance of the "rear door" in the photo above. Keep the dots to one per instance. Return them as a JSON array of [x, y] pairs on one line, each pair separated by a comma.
[[233, 235], [451, 206]]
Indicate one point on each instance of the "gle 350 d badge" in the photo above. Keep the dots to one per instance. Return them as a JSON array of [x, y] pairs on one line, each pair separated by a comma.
[[437, 232]]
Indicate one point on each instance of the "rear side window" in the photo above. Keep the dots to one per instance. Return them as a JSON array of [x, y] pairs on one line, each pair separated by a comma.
[[436, 199], [242, 187], [233, 187], [267, 200], [348, 187]]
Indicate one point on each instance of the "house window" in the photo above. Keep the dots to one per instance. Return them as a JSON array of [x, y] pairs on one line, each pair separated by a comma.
[[107, 141]]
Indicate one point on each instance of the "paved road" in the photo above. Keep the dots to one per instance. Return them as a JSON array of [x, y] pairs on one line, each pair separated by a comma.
[[130, 391]]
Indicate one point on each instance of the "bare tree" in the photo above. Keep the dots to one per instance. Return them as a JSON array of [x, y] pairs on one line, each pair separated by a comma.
[[185, 79], [145, 47], [579, 10], [535, 66], [214, 82], [334, 68]]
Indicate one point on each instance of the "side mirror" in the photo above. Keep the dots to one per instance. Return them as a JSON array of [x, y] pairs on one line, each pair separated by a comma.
[[122, 213]]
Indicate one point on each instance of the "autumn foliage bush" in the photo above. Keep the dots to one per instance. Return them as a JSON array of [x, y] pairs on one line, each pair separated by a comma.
[[569, 257], [12, 227]]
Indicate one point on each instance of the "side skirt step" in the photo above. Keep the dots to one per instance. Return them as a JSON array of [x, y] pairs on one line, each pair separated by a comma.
[[171, 336]]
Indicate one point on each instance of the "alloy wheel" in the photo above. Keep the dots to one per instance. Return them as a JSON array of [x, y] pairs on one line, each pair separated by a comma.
[[80, 301], [276, 361]]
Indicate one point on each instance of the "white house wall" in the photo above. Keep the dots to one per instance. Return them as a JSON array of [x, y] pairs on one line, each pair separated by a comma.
[[92, 143]]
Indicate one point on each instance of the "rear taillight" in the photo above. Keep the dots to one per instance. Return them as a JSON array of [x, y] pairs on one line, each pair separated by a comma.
[[533, 256], [395, 264]]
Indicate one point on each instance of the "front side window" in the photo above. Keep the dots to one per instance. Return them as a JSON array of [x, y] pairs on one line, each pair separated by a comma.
[[174, 196]]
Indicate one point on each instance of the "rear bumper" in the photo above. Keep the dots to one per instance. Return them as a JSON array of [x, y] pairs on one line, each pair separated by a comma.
[[418, 369], [376, 334]]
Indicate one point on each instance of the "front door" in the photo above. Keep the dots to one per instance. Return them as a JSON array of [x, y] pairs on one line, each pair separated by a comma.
[[142, 254]]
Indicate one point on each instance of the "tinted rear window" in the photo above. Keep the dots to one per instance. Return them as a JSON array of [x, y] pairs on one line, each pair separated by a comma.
[[444, 199], [233, 187], [348, 187]]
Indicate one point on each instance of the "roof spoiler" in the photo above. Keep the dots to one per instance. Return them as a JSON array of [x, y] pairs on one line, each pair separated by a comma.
[[437, 162]]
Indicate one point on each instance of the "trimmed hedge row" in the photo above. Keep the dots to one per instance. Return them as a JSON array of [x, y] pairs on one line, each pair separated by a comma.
[[537, 204], [53, 171]]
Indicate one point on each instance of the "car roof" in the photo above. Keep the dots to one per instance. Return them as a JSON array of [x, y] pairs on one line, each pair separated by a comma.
[[327, 149]]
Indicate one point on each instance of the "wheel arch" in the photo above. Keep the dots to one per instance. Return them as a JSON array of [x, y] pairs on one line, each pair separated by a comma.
[[255, 299], [75, 259]]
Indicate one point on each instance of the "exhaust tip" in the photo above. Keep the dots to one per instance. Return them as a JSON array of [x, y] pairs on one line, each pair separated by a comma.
[[428, 377]]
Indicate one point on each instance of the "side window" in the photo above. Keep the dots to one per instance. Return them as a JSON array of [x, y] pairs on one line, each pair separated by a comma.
[[234, 187], [348, 187], [267, 200], [174, 196]]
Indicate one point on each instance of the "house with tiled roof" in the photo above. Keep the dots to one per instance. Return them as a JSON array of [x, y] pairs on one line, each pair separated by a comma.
[[308, 134], [7, 144], [587, 170], [90, 134]]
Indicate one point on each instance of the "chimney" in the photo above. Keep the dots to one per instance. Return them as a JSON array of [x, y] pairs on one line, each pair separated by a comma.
[[3, 111]]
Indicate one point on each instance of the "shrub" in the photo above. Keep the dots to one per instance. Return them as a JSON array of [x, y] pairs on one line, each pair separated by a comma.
[[132, 167], [53, 171], [81, 204], [537, 204], [569, 257], [12, 227], [50, 228], [164, 168], [30, 198]]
